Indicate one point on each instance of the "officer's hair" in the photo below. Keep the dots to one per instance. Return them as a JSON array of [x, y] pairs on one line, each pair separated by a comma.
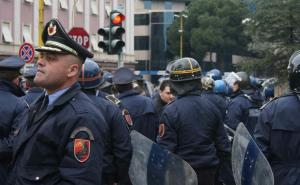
[[9, 75], [124, 87], [164, 84]]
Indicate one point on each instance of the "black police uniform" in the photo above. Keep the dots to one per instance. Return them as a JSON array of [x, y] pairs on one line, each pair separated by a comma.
[[9, 93], [217, 100], [63, 143], [117, 153], [141, 108], [278, 135], [191, 126]]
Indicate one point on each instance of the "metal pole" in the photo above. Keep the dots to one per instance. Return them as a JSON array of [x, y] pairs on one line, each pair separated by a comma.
[[41, 21], [120, 62], [181, 34]]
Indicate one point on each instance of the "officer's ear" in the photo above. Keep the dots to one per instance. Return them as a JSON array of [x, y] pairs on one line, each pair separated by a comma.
[[74, 68]]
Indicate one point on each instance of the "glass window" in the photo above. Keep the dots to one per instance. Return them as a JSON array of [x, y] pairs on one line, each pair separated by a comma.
[[27, 33], [79, 6], [141, 65], [148, 4], [141, 43], [157, 17], [6, 32], [63, 4], [141, 19], [47, 2], [94, 7], [168, 5]]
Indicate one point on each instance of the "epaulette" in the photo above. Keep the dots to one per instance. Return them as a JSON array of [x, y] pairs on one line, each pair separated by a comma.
[[113, 99]]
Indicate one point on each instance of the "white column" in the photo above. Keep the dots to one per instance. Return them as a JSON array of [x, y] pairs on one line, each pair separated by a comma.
[[129, 27], [70, 12], [17, 21], [87, 15], [35, 23], [54, 8]]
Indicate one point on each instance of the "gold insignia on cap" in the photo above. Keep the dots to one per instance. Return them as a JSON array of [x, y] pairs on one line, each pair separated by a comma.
[[51, 29]]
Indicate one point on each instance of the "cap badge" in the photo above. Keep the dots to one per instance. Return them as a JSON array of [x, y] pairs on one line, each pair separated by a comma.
[[51, 29]]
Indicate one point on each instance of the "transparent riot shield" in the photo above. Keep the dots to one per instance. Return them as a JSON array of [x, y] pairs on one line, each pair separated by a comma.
[[152, 165], [249, 165]]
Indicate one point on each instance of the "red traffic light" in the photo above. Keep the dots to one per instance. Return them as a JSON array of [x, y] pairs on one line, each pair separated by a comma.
[[117, 18]]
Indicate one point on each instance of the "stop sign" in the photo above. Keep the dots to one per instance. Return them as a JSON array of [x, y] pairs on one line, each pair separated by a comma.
[[80, 36]]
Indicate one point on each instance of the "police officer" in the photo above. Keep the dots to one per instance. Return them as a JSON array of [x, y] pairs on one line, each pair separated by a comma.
[[208, 86], [60, 138], [33, 92], [243, 106], [117, 153], [9, 92], [278, 129], [140, 108], [191, 126]]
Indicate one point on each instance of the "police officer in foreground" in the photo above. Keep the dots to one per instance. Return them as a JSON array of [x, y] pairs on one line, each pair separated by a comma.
[[117, 153], [140, 108], [9, 92], [60, 139], [191, 126], [278, 129]]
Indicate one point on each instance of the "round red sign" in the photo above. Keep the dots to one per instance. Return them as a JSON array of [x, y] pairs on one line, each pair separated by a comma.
[[80, 36], [26, 52]]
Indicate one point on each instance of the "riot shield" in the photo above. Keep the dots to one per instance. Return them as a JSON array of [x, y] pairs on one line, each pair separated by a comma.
[[152, 165], [249, 165]]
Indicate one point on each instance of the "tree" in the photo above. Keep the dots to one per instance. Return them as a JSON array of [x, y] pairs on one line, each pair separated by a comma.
[[212, 26], [275, 30]]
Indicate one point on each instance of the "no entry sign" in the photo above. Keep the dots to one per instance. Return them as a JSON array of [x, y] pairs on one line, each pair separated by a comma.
[[80, 36], [26, 52]]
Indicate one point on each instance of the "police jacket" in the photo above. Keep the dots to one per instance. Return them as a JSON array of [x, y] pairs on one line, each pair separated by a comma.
[[217, 100], [117, 153], [142, 112], [192, 128], [8, 111], [62, 145], [32, 94], [238, 110], [278, 135]]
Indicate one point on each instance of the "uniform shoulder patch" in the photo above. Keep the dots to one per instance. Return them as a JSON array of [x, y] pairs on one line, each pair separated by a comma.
[[113, 99], [161, 130], [127, 117], [81, 149]]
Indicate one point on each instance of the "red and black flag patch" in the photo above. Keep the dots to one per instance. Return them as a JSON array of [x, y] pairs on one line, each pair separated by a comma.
[[161, 130], [82, 149], [127, 117]]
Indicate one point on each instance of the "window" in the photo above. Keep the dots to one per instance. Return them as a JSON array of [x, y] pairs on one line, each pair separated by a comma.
[[47, 2], [142, 65], [147, 4], [79, 6], [63, 4], [141, 43], [157, 17], [94, 7], [94, 42], [28, 1], [6, 32], [27, 33], [141, 19]]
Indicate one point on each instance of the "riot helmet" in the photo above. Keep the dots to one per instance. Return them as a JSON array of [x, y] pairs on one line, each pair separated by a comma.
[[91, 75], [185, 69], [243, 80], [294, 72], [220, 87], [215, 74], [207, 83]]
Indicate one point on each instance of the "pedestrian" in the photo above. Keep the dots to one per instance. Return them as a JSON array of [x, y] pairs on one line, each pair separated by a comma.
[[278, 129], [191, 126], [140, 108], [117, 154], [60, 139], [9, 93]]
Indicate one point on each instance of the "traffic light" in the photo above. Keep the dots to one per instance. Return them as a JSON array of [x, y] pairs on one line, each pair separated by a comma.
[[116, 32], [105, 43]]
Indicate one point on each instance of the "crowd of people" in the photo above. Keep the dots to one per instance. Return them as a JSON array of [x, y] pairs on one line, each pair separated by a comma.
[[69, 121]]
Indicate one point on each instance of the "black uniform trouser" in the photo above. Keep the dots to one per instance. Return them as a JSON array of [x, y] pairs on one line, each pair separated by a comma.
[[206, 176]]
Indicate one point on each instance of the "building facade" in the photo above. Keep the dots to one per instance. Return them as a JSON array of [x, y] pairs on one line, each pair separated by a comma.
[[19, 23], [151, 20]]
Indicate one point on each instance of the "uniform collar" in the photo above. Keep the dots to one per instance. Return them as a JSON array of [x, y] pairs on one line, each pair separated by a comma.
[[56, 95], [131, 92]]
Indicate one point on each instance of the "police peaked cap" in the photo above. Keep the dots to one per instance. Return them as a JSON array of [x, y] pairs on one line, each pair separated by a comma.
[[123, 76], [56, 39], [12, 63]]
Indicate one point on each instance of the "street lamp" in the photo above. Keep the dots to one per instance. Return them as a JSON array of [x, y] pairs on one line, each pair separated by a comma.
[[181, 16]]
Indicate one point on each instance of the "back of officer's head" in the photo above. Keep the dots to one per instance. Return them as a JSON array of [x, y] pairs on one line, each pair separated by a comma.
[[10, 68], [185, 75], [91, 75], [242, 81], [207, 83], [122, 79], [294, 72]]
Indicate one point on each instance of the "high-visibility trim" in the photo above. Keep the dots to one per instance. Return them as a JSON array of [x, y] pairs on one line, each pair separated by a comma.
[[61, 46], [187, 71]]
